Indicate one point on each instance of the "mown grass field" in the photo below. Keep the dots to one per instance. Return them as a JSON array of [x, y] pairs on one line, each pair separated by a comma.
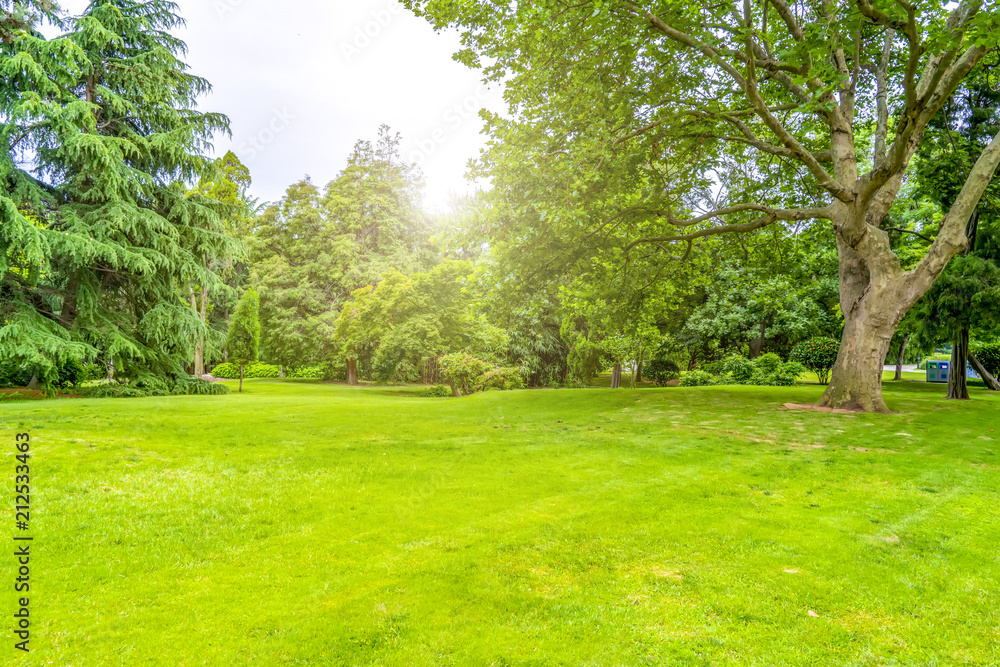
[[317, 524]]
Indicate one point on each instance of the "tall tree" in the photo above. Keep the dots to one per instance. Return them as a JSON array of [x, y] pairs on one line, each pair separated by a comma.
[[102, 144], [314, 250], [617, 109]]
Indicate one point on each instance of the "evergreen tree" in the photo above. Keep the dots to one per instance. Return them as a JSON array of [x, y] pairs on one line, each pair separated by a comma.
[[105, 235]]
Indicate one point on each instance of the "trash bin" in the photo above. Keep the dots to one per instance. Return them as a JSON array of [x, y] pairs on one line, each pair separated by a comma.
[[937, 371]]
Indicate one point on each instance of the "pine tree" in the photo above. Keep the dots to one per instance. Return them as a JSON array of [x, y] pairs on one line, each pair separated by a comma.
[[105, 234], [243, 341]]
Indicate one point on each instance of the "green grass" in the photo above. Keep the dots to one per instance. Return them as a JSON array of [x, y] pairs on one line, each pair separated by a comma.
[[324, 525]]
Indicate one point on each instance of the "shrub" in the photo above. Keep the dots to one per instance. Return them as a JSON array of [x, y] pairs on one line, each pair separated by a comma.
[[198, 387], [154, 387], [712, 367], [502, 379], [254, 370], [259, 370], [463, 371], [697, 379], [662, 371], [307, 373], [988, 355], [767, 364], [818, 355], [12, 375], [440, 391], [226, 371], [739, 368], [469, 375]]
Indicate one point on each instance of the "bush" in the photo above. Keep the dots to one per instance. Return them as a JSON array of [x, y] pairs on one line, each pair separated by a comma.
[[739, 368], [155, 387], [198, 387], [697, 379], [254, 370], [470, 375], [989, 356], [307, 373], [818, 355], [712, 367], [662, 371], [259, 370], [226, 371], [440, 391], [768, 364], [463, 371], [502, 379]]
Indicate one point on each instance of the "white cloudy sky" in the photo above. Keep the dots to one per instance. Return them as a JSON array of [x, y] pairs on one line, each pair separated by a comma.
[[312, 63]]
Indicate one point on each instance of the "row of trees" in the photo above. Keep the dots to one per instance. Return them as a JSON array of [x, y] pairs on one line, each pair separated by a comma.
[[670, 181]]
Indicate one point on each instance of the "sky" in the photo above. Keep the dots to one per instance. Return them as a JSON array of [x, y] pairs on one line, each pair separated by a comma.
[[303, 80]]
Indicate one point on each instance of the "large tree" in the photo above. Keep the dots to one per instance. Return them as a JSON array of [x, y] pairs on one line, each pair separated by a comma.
[[103, 136], [619, 109]]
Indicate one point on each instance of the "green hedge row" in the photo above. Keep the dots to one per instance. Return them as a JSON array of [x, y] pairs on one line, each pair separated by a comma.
[[259, 370]]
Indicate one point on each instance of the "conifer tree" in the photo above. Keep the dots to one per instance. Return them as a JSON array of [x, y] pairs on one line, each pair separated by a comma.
[[103, 234]]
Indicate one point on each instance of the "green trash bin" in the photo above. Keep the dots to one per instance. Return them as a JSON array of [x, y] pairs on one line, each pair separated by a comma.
[[937, 371]]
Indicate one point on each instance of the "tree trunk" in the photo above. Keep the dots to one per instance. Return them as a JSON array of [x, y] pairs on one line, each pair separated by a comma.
[[616, 377], [34, 384], [111, 369], [352, 371], [281, 373], [958, 385], [901, 358], [241, 378], [454, 390], [638, 373], [199, 347], [757, 346], [856, 381], [991, 382]]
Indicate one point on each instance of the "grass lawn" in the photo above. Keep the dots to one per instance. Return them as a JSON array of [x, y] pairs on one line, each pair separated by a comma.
[[317, 524]]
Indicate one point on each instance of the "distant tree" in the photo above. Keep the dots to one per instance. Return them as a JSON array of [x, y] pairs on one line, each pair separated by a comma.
[[313, 250], [243, 341]]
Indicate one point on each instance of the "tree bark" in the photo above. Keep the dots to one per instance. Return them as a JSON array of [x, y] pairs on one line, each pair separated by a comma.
[[856, 381], [757, 345], [454, 390], [34, 384], [352, 371], [958, 385], [281, 372], [991, 382], [199, 348], [241, 378], [616, 377], [901, 359]]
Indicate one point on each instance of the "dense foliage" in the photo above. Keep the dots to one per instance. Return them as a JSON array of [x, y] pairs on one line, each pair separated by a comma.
[[818, 355]]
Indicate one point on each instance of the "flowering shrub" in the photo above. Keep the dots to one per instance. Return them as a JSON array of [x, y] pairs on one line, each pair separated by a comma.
[[818, 355], [468, 375]]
